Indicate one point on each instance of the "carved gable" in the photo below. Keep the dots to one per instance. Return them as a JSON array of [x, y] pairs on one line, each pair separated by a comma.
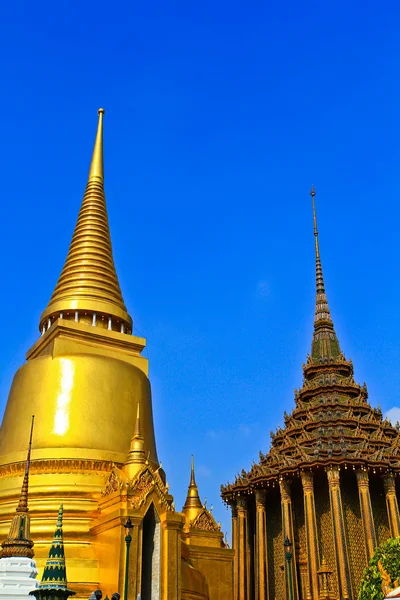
[[205, 521]]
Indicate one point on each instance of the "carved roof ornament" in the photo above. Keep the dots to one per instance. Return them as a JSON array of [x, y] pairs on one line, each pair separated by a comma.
[[115, 482], [332, 423], [205, 521], [146, 482]]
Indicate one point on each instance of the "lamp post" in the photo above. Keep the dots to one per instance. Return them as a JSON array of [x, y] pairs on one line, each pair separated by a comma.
[[128, 538], [287, 545]]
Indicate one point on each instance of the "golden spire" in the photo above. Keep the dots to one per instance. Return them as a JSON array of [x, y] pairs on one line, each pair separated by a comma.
[[88, 284], [96, 171], [137, 454], [193, 503], [18, 542], [325, 343]]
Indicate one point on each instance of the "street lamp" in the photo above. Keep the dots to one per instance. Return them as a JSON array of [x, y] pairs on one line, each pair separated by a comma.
[[128, 538], [287, 545]]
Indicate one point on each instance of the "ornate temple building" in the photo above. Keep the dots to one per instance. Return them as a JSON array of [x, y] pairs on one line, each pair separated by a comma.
[[94, 449], [328, 487]]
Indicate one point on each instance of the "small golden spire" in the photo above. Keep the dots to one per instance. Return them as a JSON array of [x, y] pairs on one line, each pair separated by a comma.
[[18, 542], [137, 454], [88, 283], [193, 503], [192, 476]]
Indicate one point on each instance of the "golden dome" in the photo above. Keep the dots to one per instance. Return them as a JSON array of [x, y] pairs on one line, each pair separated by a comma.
[[85, 407]]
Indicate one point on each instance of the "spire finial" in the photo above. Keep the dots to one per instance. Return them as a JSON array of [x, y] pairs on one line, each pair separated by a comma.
[[325, 343], [138, 432], [88, 283], [193, 499], [320, 278], [137, 454], [192, 476], [96, 171], [18, 542], [23, 499]]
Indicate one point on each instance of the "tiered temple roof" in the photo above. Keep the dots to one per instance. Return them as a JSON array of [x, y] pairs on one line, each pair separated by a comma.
[[332, 422]]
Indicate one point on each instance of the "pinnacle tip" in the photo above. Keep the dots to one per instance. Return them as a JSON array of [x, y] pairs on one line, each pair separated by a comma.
[[312, 193], [101, 111]]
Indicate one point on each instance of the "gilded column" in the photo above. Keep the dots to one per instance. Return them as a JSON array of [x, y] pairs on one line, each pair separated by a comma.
[[392, 505], [235, 546], [310, 518], [172, 525], [339, 536], [242, 554], [261, 565], [366, 513], [288, 531]]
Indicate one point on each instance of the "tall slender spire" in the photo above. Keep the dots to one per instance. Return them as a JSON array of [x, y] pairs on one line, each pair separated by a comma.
[[193, 503], [18, 542], [88, 284], [96, 171], [54, 579], [325, 345]]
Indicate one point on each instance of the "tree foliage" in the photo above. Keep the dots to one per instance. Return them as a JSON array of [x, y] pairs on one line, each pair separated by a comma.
[[371, 584]]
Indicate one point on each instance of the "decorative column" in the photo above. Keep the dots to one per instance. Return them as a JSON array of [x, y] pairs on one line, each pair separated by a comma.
[[366, 513], [235, 546], [261, 565], [392, 504], [242, 554], [339, 536], [288, 531], [310, 518]]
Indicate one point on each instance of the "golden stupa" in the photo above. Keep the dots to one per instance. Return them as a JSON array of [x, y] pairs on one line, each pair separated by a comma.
[[94, 447]]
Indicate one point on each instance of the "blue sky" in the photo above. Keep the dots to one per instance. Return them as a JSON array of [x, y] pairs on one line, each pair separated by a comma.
[[219, 117]]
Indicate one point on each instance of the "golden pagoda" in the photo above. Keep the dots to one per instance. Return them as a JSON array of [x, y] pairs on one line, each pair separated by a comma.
[[307, 518], [94, 450]]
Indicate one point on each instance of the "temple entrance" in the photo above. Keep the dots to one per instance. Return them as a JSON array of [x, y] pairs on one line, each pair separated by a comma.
[[151, 556]]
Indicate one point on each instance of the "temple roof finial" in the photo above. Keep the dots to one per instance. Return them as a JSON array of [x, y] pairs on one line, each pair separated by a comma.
[[192, 476], [193, 499], [325, 343], [137, 455], [18, 542], [88, 284], [96, 170]]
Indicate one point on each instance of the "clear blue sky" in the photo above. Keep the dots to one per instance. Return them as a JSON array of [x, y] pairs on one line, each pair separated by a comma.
[[219, 117]]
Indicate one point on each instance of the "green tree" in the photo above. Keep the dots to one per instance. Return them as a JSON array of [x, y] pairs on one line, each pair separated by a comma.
[[371, 584]]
